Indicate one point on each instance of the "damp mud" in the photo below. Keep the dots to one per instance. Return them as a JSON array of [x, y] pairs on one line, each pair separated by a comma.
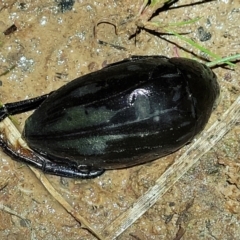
[[54, 42]]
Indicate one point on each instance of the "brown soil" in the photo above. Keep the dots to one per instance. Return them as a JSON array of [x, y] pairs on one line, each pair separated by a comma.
[[51, 48]]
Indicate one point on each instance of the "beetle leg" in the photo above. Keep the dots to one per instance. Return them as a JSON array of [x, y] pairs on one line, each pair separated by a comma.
[[71, 171], [28, 157], [47, 166], [21, 106]]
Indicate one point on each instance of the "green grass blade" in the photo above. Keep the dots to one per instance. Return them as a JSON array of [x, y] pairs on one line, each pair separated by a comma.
[[223, 60], [177, 24], [201, 48]]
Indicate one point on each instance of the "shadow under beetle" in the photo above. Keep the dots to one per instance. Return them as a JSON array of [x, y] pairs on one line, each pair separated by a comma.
[[128, 113]]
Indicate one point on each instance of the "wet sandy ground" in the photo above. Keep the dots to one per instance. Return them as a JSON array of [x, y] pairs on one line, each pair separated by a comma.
[[49, 49]]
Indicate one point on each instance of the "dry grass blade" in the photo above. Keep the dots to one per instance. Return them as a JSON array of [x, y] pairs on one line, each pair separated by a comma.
[[14, 137], [4, 183], [84, 223], [10, 211], [175, 172]]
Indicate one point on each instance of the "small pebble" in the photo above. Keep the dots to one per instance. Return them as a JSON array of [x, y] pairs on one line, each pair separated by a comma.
[[203, 35]]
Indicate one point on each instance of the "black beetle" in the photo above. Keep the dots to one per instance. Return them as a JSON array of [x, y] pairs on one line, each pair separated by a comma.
[[128, 113]]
